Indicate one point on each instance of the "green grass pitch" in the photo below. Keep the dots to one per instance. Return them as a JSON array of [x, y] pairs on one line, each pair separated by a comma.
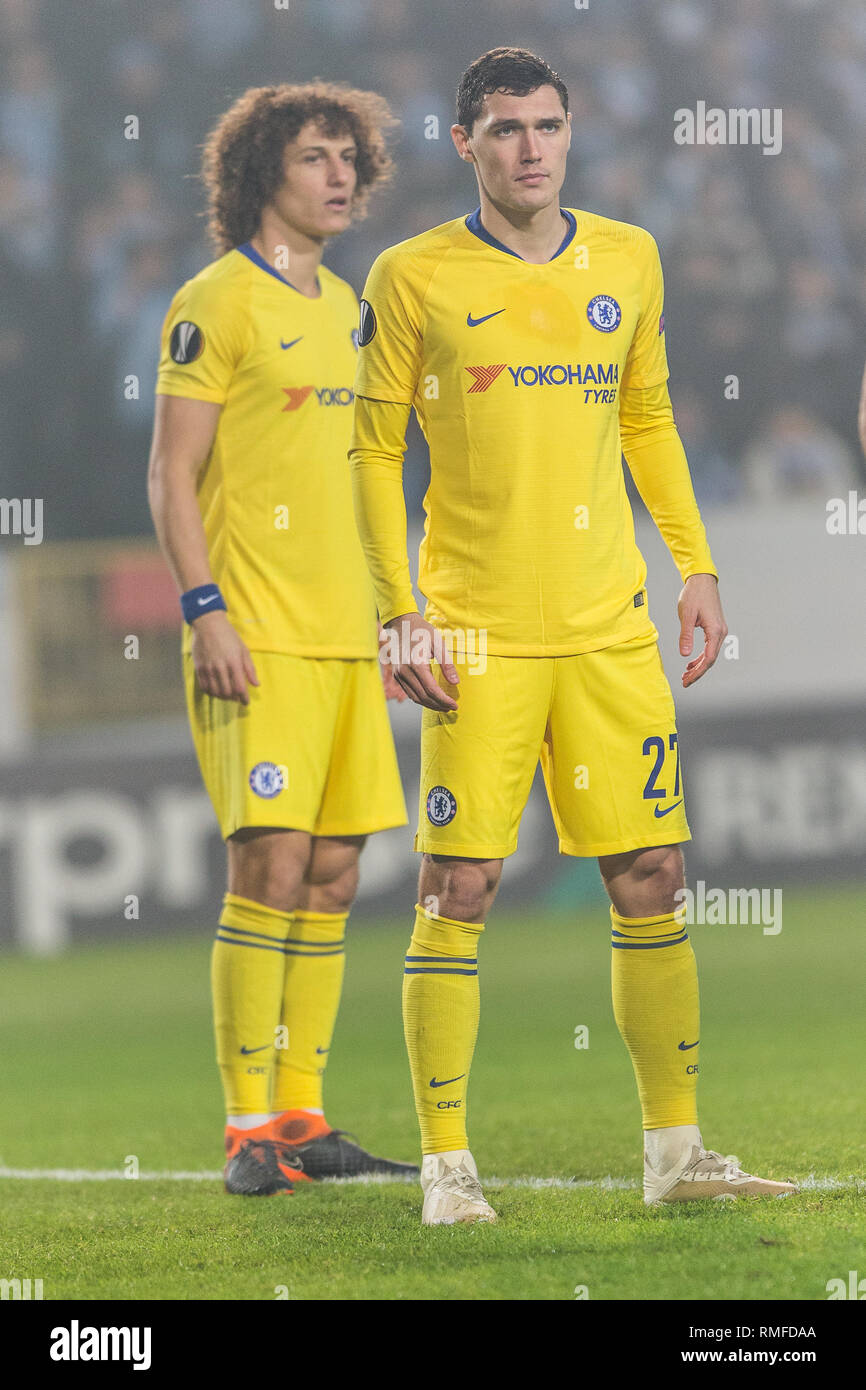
[[107, 1054]]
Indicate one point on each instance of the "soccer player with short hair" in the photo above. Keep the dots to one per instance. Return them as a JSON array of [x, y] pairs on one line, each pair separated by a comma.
[[530, 340], [251, 497]]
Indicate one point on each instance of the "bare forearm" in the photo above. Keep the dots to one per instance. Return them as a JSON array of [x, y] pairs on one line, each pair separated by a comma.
[[183, 434], [179, 528]]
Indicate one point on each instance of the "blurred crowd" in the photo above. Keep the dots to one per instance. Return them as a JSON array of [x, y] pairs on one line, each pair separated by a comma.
[[764, 256]]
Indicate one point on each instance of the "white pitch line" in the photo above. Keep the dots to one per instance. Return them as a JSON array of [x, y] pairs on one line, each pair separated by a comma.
[[812, 1183], [104, 1175]]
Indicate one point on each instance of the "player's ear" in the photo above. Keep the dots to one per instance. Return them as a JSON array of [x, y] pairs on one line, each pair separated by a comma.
[[461, 143]]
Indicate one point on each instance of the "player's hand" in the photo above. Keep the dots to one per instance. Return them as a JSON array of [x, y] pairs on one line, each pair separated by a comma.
[[223, 665], [419, 644], [700, 606], [393, 691]]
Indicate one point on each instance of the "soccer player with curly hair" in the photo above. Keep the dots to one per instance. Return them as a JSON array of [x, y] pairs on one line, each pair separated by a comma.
[[251, 499]]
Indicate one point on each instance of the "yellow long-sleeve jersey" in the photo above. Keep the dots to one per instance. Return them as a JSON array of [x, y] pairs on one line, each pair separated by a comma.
[[529, 382]]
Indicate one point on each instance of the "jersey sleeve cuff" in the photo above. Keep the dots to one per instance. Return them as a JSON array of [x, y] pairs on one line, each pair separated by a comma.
[[371, 392], [395, 609], [704, 566]]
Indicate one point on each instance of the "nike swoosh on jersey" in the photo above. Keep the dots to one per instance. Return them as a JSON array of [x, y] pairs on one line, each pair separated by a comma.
[[658, 812], [473, 323], [286, 346], [434, 1082], [685, 1047]]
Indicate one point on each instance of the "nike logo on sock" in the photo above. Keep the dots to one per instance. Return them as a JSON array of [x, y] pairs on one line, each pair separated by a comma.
[[451, 1079], [684, 1046], [247, 1051]]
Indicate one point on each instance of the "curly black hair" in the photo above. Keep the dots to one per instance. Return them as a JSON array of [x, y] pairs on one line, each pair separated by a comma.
[[242, 161]]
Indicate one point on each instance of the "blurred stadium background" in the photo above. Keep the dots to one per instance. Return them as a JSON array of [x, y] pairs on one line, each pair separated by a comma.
[[105, 833]]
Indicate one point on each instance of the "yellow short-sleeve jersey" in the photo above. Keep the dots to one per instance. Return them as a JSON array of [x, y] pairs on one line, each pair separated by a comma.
[[515, 371], [275, 492]]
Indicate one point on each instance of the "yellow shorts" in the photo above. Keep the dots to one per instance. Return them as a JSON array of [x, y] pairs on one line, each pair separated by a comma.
[[604, 728], [313, 749]]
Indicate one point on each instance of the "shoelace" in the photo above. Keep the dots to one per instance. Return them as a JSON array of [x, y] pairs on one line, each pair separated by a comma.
[[465, 1181], [729, 1164]]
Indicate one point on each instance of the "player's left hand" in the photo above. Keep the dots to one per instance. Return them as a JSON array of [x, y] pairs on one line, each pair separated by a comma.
[[700, 606], [393, 691]]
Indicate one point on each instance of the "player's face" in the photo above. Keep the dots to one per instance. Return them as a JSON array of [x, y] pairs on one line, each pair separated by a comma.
[[518, 146], [320, 176]]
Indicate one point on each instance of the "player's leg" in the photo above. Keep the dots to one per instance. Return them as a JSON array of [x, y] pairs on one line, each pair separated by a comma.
[[655, 992], [441, 1007], [477, 766], [315, 957], [654, 983], [615, 784], [361, 793], [655, 998], [313, 979], [265, 777], [266, 870]]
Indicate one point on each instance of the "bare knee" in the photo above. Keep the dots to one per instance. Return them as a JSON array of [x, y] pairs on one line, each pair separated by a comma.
[[331, 880], [644, 882], [267, 866], [462, 889]]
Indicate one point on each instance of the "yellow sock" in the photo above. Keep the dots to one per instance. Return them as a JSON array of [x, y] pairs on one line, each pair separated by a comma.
[[654, 982], [315, 957], [440, 1020], [247, 969]]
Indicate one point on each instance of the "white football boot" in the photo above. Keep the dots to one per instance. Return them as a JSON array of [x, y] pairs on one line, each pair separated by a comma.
[[704, 1173], [452, 1192]]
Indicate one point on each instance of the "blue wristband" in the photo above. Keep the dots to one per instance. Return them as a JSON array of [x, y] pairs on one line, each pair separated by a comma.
[[205, 599]]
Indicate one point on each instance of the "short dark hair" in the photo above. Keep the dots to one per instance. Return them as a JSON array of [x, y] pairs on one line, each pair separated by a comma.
[[512, 70], [242, 162]]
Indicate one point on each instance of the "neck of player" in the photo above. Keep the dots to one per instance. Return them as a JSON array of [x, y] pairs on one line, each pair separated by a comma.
[[534, 234], [300, 267]]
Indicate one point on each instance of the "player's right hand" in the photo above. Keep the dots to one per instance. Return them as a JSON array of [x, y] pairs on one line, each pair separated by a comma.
[[419, 643], [223, 665]]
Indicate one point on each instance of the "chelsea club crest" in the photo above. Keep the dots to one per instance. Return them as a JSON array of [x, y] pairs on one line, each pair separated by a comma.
[[266, 780], [441, 806], [604, 313]]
